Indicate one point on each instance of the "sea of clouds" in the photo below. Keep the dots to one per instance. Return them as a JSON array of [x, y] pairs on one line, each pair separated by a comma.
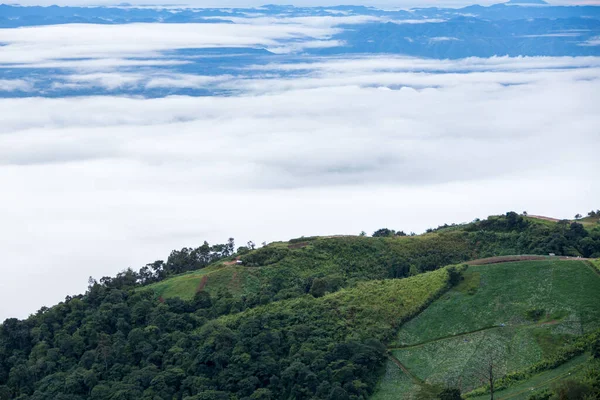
[[95, 184]]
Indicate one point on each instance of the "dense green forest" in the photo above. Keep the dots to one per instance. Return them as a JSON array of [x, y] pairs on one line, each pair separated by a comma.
[[304, 319]]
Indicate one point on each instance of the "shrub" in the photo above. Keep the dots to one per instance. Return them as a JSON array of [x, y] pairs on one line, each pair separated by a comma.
[[535, 314]]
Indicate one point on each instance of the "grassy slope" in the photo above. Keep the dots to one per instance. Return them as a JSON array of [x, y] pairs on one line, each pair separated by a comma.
[[595, 263], [236, 279], [371, 310], [568, 291], [350, 258], [587, 222]]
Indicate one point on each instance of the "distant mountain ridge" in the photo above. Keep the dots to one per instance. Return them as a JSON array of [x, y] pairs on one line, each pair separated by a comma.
[[439, 33], [522, 2]]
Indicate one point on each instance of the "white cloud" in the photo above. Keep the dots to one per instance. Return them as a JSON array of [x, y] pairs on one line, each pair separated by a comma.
[[325, 22], [48, 44], [97, 184], [560, 34], [400, 63], [442, 39], [96, 64], [384, 4], [595, 41], [150, 79], [11, 85]]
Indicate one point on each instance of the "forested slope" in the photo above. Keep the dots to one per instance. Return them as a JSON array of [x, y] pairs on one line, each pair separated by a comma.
[[308, 318]]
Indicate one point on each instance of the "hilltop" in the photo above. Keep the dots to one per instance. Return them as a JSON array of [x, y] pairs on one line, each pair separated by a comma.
[[526, 2], [344, 317]]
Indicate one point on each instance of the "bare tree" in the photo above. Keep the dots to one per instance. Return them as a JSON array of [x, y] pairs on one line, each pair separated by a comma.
[[490, 365], [490, 376], [490, 372]]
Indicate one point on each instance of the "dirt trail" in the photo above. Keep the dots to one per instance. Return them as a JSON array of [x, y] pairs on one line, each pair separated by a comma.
[[403, 368], [445, 337], [589, 264], [544, 218], [531, 257]]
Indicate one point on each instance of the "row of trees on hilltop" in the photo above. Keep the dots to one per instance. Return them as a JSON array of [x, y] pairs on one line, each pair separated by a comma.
[[179, 261], [591, 214]]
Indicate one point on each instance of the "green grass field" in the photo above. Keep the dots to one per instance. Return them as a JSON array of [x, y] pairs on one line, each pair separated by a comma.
[[237, 280], [491, 311], [394, 385], [503, 293]]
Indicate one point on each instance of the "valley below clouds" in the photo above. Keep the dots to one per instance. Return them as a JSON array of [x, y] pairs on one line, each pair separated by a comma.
[[119, 143]]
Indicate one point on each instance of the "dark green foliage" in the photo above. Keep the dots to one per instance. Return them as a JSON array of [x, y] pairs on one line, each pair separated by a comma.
[[450, 394], [384, 232], [437, 392], [127, 345], [544, 395], [595, 348], [514, 234], [265, 256], [322, 286], [572, 390], [535, 314], [179, 261]]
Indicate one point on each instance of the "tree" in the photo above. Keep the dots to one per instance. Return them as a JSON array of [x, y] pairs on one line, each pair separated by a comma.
[[489, 371], [4, 392], [229, 247], [383, 232], [577, 216], [595, 347], [319, 287], [242, 250]]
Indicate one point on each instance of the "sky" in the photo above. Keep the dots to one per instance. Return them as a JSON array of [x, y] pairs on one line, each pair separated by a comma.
[[388, 4], [95, 184]]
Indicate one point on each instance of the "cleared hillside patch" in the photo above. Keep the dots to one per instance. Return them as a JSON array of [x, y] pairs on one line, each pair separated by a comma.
[[235, 279], [371, 310], [506, 292], [521, 312]]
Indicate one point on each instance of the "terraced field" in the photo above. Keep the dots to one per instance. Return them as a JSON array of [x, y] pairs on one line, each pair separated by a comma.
[[518, 312]]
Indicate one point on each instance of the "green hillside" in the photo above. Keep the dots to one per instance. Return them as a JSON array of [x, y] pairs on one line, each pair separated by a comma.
[[283, 270], [290, 269], [344, 317], [521, 313]]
